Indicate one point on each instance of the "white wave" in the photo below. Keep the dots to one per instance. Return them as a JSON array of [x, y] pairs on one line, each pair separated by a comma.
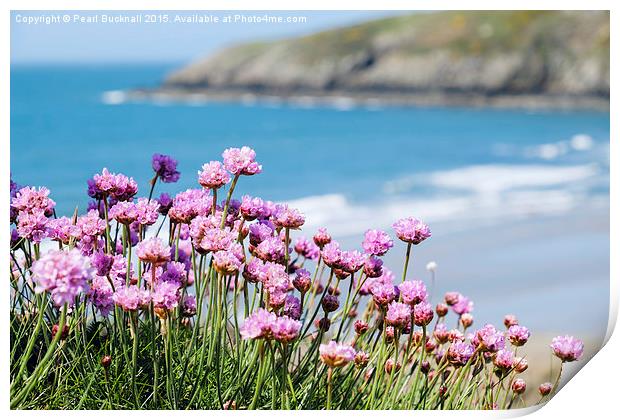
[[114, 97]]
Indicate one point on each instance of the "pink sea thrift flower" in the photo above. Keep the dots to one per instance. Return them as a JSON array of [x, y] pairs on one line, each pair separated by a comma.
[[241, 161], [383, 294], [285, 329], [271, 249], [373, 267], [567, 348], [147, 211], [460, 352], [413, 292], [518, 335], [332, 254], [335, 354], [252, 208], [61, 229], [213, 175], [100, 295], [32, 226], [398, 314], [190, 203], [321, 237], [226, 262], [377, 242], [288, 217], [463, 305], [411, 230], [489, 339], [131, 298], [258, 325], [153, 250], [31, 199], [165, 296], [352, 261], [90, 224], [504, 359], [423, 314], [117, 186], [124, 212], [306, 248], [64, 274]]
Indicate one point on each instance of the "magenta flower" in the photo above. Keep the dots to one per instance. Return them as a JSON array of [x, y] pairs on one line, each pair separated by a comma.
[[117, 186], [32, 226], [124, 212], [30, 199], [188, 306], [64, 274], [90, 224], [332, 255], [165, 202], [373, 267], [321, 237], [463, 305], [102, 262], [567, 348], [226, 262], [252, 271], [504, 359], [398, 314], [275, 279], [153, 250], [302, 280], [518, 335], [258, 325], [166, 296], [383, 293], [165, 168], [306, 248], [335, 354], [292, 307], [241, 161], [213, 175], [190, 203], [413, 292], [377, 242], [287, 217], [252, 208], [147, 211], [131, 298], [489, 339], [260, 231], [423, 314], [271, 249], [100, 295], [411, 230], [285, 329], [459, 353], [352, 261]]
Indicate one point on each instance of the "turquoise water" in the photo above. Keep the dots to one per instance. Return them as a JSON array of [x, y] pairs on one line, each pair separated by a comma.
[[62, 133]]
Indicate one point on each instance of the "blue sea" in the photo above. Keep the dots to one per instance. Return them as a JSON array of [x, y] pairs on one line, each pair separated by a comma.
[[523, 190]]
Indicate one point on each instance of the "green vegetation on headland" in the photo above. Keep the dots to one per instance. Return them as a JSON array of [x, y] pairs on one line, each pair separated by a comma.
[[475, 56]]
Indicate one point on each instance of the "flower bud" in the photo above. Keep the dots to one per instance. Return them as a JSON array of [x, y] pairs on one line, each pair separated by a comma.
[[106, 361], [361, 327], [330, 303], [521, 365], [518, 386], [443, 390], [64, 334], [390, 366], [323, 324], [545, 388], [302, 281], [425, 367], [452, 298], [361, 359], [441, 309], [467, 320], [389, 334], [510, 320]]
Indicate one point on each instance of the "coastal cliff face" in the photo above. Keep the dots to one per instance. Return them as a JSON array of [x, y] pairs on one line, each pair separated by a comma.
[[488, 54]]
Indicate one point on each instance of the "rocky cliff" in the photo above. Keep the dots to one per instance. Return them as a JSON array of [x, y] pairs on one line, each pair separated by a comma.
[[481, 54]]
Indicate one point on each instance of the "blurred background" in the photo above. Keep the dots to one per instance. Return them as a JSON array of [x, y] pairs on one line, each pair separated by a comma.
[[493, 127]]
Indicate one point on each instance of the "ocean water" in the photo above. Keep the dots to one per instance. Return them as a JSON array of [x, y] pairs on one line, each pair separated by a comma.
[[521, 183]]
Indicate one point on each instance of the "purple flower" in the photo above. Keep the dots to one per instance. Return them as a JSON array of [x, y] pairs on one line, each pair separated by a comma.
[[489, 339], [64, 274], [567, 348], [413, 292], [411, 230], [518, 335], [90, 224], [373, 267], [100, 295], [292, 307], [377, 242], [398, 314], [352, 261], [275, 279], [287, 217], [188, 306], [252, 271], [131, 298], [285, 329], [241, 161], [165, 168], [213, 175], [165, 202], [153, 250], [175, 274], [460, 352], [258, 325], [335, 354], [302, 280], [102, 263], [259, 232]]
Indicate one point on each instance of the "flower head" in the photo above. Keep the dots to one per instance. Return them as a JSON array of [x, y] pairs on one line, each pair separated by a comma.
[[285, 329], [411, 230], [518, 335], [252, 208], [460, 352], [64, 274], [413, 292], [423, 314], [377, 242], [165, 168], [489, 339], [287, 217], [335, 354], [398, 314], [33, 225], [131, 298], [213, 175], [153, 250], [116, 186], [258, 325], [567, 348], [241, 161], [31, 199]]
